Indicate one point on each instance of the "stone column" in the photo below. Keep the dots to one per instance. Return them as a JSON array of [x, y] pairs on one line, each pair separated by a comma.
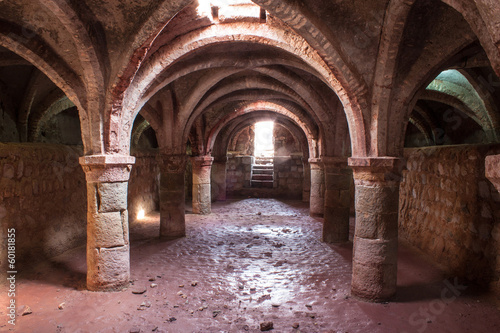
[[337, 200], [317, 201], [172, 196], [219, 177], [108, 256], [202, 198], [306, 186], [492, 172], [376, 237]]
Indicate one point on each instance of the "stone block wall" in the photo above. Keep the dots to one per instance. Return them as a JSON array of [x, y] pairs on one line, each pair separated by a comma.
[[289, 176], [42, 196], [451, 211], [238, 174], [143, 189]]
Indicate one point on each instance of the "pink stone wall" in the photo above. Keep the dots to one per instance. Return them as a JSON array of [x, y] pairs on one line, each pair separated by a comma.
[[451, 211], [143, 188], [42, 196]]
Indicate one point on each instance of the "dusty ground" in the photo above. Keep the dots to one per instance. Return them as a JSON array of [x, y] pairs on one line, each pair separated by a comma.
[[253, 261]]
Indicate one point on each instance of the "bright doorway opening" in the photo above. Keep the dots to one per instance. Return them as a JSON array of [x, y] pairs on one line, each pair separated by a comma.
[[264, 139]]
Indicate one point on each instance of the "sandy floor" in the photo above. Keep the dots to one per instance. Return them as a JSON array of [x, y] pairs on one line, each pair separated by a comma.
[[248, 262]]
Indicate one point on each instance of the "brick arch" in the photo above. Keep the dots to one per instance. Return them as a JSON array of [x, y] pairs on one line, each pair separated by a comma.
[[233, 127], [262, 34], [264, 106]]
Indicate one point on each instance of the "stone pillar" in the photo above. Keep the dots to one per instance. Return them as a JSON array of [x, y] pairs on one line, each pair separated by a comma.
[[376, 237], [306, 185], [202, 199], [317, 201], [108, 256], [172, 196], [337, 200], [219, 177], [492, 170]]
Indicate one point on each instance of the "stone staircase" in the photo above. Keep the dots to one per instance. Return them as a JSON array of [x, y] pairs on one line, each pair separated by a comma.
[[263, 173]]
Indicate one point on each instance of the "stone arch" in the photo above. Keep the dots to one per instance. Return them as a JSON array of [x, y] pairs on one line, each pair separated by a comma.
[[231, 33], [264, 106], [54, 104], [385, 72], [40, 55]]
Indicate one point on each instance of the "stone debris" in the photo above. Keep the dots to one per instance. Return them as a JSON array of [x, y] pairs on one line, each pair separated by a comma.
[[194, 283], [152, 279], [296, 325], [135, 330], [61, 306], [26, 310], [181, 294], [266, 326], [181, 286], [144, 305], [139, 290], [275, 305], [215, 313], [153, 285], [172, 319]]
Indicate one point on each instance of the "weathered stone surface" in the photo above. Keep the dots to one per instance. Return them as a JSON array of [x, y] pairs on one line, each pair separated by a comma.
[[110, 198], [451, 216], [108, 269], [106, 230]]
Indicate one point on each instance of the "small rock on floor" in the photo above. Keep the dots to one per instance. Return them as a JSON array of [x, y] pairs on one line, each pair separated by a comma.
[[61, 306], [139, 290], [266, 326], [296, 325], [26, 310]]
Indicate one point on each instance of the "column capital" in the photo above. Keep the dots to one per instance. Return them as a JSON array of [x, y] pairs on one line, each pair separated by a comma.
[[107, 168], [313, 161], [377, 169], [202, 161], [172, 163]]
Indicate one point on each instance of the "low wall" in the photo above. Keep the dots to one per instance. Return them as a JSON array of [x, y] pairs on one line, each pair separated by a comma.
[[451, 211]]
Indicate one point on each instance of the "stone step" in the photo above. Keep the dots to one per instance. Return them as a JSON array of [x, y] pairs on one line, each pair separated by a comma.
[[262, 177], [263, 167], [262, 171], [262, 183]]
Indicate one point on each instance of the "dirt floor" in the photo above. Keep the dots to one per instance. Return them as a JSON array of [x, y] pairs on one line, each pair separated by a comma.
[[250, 261]]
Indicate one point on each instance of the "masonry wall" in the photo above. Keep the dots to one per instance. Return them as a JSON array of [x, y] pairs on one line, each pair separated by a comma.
[[43, 197], [143, 188], [451, 211], [288, 177], [238, 174]]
